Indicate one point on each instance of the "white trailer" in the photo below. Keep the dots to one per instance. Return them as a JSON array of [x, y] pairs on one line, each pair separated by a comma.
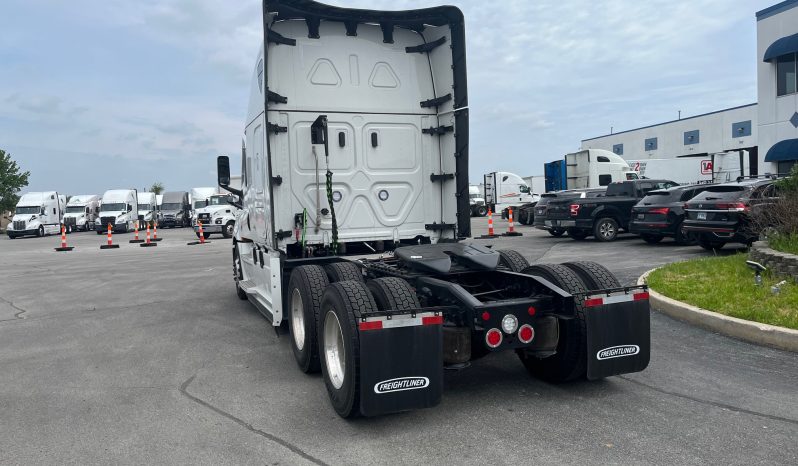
[[82, 212], [505, 189], [594, 168], [719, 168], [119, 208], [37, 214], [219, 216], [147, 209], [357, 142], [537, 183]]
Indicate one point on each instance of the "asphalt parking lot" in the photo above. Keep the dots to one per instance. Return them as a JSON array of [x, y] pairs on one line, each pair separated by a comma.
[[146, 355]]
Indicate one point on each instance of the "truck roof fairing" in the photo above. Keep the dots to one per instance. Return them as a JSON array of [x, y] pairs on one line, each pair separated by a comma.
[[313, 13]]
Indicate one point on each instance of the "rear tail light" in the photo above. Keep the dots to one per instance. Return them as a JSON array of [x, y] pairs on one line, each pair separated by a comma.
[[575, 210], [733, 206], [661, 211], [493, 338], [526, 333], [509, 324]]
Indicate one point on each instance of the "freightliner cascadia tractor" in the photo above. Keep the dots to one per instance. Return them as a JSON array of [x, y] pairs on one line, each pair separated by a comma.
[[355, 213]]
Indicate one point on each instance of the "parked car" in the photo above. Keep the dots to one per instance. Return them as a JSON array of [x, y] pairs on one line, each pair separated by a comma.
[[541, 220], [661, 213], [722, 214], [603, 217]]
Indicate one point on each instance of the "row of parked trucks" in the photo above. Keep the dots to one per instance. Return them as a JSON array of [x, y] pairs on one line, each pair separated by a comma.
[[43, 213]]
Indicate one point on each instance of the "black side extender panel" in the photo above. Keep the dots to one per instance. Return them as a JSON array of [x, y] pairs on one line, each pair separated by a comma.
[[401, 368], [618, 338]]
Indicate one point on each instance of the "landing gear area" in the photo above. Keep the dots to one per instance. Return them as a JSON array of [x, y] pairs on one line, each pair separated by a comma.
[[381, 331]]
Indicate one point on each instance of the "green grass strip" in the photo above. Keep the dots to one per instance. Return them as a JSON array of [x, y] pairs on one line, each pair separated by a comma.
[[726, 285]]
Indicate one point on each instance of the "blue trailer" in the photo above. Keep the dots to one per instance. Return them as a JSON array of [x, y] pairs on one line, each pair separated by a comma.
[[555, 173]]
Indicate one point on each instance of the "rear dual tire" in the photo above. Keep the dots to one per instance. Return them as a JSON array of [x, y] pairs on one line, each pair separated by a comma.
[[305, 289]]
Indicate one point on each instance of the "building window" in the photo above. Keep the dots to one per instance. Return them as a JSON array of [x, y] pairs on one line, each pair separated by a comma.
[[741, 129], [618, 149], [651, 144], [691, 137], [785, 75]]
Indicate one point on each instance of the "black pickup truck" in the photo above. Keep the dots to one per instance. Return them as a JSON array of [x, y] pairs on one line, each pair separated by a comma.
[[603, 216]]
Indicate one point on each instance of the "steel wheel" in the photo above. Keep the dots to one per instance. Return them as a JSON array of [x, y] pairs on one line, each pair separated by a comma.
[[229, 230], [334, 351], [297, 319]]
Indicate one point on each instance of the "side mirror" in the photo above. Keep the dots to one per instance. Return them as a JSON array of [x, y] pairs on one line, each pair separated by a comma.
[[223, 170]]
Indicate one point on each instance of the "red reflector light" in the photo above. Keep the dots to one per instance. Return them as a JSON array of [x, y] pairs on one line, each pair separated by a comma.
[[531, 311], [486, 315], [575, 210], [640, 296], [493, 338], [432, 320], [739, 206], [526, 333], [661, 211], [592, 302], [373, 325]]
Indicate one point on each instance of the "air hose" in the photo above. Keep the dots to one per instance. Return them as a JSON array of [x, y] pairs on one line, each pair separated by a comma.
[[332, 213]]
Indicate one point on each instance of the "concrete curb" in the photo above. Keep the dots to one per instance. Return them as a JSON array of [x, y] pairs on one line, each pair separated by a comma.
[[752, 332]]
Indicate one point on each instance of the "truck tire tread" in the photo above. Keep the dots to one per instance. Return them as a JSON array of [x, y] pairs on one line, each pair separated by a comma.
[[311, 282], [570, 361], [393, 293], [347, 299], [512, 259], [342, 271], [594, 275]]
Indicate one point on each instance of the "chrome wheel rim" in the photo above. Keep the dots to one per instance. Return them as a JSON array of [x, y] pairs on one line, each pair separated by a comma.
[[297, 319], [607, 230], [230, 230], [334, 352]]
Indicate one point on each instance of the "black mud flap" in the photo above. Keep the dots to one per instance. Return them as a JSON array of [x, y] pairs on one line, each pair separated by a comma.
[[618, 332], [401, 363]]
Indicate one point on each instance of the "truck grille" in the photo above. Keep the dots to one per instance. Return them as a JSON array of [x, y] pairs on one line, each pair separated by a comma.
[[70, 221], [104, 221], [204, 218], [19, 224]]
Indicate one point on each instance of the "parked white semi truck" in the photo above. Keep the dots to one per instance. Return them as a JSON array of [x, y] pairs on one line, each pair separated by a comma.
[[119, 208], [476, 200], [37, 214], [357, 142], [504, 190], [82, 212], [147, 209], [199, 199], [219, 216]]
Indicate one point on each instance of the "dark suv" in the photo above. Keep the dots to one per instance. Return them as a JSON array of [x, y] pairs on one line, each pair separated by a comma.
[[541, 220], [722, 214], [661, 214]]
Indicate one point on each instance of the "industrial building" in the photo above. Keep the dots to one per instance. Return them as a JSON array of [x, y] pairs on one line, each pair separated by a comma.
[[765, 133]]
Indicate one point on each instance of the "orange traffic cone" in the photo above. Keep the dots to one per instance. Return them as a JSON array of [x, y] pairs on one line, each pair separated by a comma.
[[511, 228], [64, 246], [490, 227], [155, 232], [200, 234], [110, 244], [136, 231], [148, 243]]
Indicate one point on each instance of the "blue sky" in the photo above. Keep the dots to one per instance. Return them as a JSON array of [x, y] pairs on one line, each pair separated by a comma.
[[105, 94]]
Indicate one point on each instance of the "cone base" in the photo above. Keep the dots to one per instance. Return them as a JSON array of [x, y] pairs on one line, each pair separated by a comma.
[[147, 245], [197, 242], [487, 236], [67, 248], [156, 239], [513, 233], [109, 246], [137, 241]]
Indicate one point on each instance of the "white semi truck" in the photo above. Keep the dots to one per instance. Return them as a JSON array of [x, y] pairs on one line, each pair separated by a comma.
[[504, 190], [476, 200], [82, 212], [719, 168], [37, 214], [357, 142], [218, 216], [147, 209], [119, 208], [198, 197]]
